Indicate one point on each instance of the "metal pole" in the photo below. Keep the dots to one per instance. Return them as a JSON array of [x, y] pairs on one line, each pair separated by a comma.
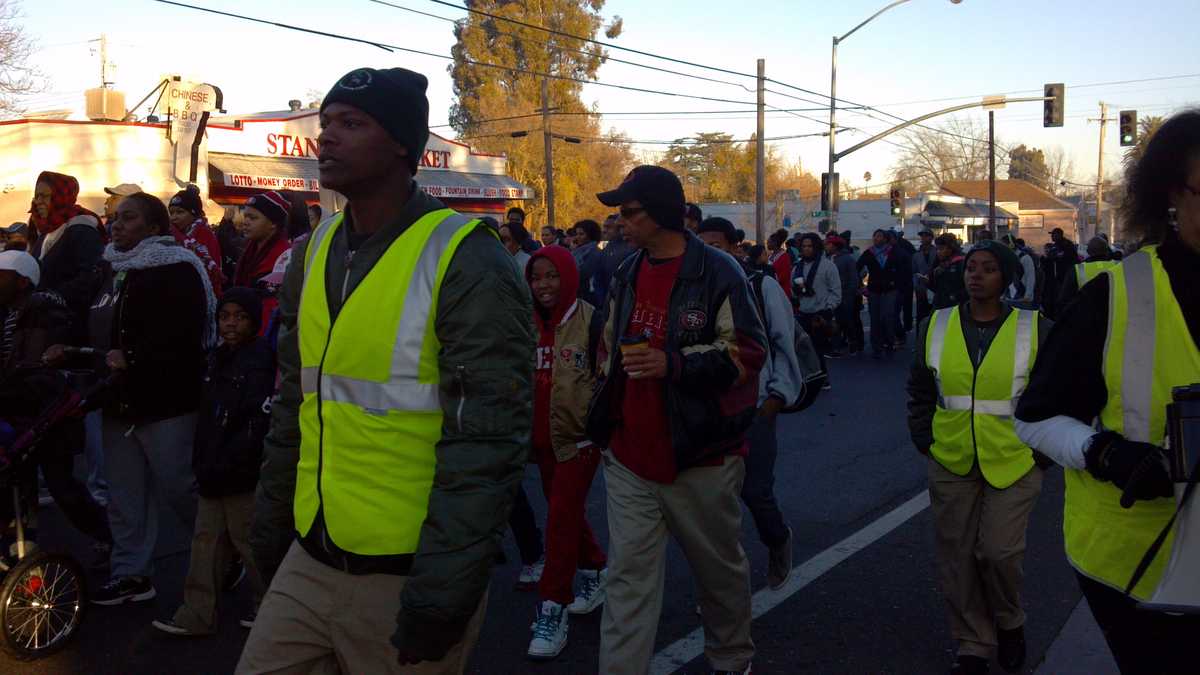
[[832, 216], [549, 150], [992, 171], [760, 163], [1100, 167]]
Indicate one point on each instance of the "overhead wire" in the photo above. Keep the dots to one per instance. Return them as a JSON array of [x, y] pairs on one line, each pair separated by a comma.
[[390, 47]]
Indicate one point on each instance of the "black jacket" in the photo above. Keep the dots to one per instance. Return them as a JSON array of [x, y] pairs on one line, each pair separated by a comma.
[[946, 282], [886, 277], [67, 267], [159, 322], [716, 347], [235, 411]]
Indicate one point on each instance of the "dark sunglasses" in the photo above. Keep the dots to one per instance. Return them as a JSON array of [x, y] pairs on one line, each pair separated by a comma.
[[628, 212]]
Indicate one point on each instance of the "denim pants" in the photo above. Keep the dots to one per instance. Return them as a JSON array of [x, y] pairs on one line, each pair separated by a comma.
[[141, 461], [883, 321], [758, 489]]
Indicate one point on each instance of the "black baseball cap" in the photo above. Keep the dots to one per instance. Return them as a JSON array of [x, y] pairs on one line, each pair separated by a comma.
[[659, 191]]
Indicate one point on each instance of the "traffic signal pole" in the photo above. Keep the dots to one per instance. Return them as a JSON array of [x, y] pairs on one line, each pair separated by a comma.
[[1104, 120], [760, 163], [992, 171]]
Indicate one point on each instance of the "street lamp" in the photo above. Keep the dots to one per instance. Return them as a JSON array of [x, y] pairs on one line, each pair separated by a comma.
[[833, 90]]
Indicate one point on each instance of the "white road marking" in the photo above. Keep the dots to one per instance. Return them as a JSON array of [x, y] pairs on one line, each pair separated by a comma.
[[683, 651]]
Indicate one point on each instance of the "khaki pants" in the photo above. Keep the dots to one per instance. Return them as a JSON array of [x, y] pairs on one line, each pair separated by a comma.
[[980, 549], [702, 511], [219, 521], [316, 619]]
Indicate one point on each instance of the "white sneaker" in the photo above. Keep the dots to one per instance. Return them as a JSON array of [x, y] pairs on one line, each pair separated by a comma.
[[591, 591], [549, 632], [531, 574]]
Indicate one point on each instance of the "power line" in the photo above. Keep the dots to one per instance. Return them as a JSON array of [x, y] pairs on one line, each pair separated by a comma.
[[391, 47], [620, 139], [644, 112], [591, 40], [1089, 85]]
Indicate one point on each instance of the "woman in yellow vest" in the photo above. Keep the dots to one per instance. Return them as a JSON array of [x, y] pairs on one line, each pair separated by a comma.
[[1097, 402], [972, 363]]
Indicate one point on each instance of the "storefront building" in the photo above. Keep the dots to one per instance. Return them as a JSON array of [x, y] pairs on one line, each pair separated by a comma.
[[278, 151]]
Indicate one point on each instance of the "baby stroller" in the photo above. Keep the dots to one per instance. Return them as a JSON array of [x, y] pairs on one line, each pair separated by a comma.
[[43, 595]]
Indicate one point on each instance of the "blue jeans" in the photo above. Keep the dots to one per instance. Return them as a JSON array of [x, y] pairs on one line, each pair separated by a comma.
[[883, 321], [141, 461], [93, 450]]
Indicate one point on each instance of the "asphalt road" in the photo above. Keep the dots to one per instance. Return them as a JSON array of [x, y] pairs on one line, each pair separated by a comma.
[[843, 465]]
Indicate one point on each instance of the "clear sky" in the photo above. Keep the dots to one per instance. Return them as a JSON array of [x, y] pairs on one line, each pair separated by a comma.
[[926, 49]]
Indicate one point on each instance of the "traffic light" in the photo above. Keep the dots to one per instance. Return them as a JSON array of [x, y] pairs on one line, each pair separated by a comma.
[[897, 204], [1129, 128], [829, 192], [1052, 115]]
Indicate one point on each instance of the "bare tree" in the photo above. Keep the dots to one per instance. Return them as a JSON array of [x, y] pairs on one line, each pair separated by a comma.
[[1059, 169], [17, 77], [956, 149]]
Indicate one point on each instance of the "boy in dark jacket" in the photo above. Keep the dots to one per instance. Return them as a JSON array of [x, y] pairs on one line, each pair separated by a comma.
[[234, 416]]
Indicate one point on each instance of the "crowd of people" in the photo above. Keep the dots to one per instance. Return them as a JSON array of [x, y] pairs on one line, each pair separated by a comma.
[[328, 400]]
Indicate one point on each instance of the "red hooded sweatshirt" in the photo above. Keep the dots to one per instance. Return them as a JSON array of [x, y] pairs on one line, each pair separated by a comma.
[[546, 323]]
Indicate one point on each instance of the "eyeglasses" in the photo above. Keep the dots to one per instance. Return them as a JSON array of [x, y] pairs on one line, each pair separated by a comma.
[[628, 212]]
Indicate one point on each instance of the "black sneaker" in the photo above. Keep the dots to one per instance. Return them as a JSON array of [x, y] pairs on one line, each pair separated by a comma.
[[969, 665], [834, 355], [171, 628], [234, 574], [779, 564], [124, 589], [1011, 653], [248, 620]]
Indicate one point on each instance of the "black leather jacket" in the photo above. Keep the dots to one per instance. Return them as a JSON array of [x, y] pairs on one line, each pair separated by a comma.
[[715, 348]]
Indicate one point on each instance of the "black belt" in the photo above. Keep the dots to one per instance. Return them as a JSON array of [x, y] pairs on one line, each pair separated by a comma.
[[353, 563]]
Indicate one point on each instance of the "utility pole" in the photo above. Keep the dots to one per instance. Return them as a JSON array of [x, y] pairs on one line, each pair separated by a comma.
[[760, 163], [992, 171], [833, 201], [1100, 169], [547, 140]]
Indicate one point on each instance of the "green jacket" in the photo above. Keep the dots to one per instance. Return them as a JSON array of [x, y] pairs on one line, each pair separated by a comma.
[[483, 325]]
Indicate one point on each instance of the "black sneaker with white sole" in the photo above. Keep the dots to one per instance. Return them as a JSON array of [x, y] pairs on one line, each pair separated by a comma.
[[124, 589], [171, 628], [248, 620]]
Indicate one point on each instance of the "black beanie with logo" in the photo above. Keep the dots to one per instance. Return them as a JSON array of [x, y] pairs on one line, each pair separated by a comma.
[[395, 98]]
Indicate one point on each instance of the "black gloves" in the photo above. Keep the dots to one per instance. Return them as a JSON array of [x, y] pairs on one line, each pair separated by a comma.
[[1139, 469]]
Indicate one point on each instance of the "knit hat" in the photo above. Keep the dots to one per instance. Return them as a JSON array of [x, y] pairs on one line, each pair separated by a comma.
[[1009, 263], [188, 199], [249, 299], [272, 205], [395, 98]]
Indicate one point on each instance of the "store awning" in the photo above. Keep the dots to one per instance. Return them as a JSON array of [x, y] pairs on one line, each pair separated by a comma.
[[284, 173], [263, 173], [456, 185], [959, 214]]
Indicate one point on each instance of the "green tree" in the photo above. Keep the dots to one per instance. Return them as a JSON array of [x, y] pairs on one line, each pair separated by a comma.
[[1029, 165], [515, 90]]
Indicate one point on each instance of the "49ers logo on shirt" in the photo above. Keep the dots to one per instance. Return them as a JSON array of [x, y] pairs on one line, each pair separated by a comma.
[[692, 320]]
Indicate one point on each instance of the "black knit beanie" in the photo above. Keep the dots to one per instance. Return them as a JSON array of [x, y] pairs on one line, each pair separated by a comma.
[[1009, 263], [395, 98], [188, 199]]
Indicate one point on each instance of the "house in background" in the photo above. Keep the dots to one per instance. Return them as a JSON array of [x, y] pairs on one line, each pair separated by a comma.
[[1038, 210]]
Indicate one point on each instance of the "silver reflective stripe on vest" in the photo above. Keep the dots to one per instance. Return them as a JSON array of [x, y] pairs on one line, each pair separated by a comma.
[[1081, 274], [315, 241], [937, 345], [964, 404], [1021, 362], [418, 301], [1137, 371]]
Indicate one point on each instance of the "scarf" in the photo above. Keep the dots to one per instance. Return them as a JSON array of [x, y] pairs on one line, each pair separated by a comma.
[[258, 260], [161, 251], [881, 254], [64, 190]]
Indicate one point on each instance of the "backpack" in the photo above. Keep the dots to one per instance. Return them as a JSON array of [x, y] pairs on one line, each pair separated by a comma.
[[812, 377]]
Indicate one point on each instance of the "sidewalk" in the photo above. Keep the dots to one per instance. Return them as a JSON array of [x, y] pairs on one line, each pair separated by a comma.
[[1079, 648]]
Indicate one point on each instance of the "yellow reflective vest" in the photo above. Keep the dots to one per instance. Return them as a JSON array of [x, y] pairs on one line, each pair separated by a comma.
[[974, 416], [1148, 352], [1085, 272], [370, 417]]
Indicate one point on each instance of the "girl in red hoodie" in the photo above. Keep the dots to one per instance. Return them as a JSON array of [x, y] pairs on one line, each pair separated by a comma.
[[266, 218], [563, 383]]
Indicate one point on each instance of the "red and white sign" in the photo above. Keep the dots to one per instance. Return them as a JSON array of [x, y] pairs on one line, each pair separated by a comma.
[[272, 182]]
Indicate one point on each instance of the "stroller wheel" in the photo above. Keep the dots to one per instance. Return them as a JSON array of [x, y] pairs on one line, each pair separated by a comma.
[[41, 605]]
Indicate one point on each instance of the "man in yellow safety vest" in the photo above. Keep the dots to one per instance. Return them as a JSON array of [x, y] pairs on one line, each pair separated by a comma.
[[404, 409]]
